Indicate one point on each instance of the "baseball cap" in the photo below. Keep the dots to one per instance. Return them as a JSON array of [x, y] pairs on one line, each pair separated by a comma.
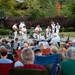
[[37, 47]]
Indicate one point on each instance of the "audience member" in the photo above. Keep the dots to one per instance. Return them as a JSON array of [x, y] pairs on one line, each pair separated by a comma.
[[73, 45], [37, 50], [45, 50], [55, 39], [27, 57], [67, 67], [16, 43], [54, 50], [3, 53]]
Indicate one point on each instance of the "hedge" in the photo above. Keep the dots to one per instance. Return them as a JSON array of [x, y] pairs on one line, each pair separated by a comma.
[[5, 31]]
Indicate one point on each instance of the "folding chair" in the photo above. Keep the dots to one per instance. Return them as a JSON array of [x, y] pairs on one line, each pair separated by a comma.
[[4, 68], [49, 62], [23, 71]]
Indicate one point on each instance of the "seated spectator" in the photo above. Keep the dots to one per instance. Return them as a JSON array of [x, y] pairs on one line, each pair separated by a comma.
[[21, 44], [37, 50], [17, 54], [16, 43], [17, 58], [62, 56], [3, 52], [66, 45], [45, 50], [18, 63], [12, 43], [55, 39], [54, 50], [26, 45], [44, 42], [27, 57], [73, 45], [67, 67]]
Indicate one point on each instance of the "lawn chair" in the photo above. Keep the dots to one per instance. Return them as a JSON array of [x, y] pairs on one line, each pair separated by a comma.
[[4, 68], [49, 62], [23, 71]]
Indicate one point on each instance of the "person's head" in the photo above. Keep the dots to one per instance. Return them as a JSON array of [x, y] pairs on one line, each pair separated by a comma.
[[3, 52], [38, 25], [22, 22], [54, 50], [27, 56], [70, 53], [57, 23], [25, 45], [48, 26], [42, 46], [37, 50], [16, 39]]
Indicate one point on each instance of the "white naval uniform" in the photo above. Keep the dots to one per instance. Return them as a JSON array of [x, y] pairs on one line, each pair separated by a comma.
[[21, 26], [38, 36], [53, 28], [15, 32], [48, 33], [24, 34], [57, 29]]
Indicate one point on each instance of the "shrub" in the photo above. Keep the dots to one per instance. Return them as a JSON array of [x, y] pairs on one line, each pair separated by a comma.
[[70, 29], [4, 31], [63, 29]]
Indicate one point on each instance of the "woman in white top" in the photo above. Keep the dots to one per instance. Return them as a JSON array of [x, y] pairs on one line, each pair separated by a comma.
[[22, 24], [24, 33], [15, 28], [38, 31], [57, 28], [48, 33], [53, 27]]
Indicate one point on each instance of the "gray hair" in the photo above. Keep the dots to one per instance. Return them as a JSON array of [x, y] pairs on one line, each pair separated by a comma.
[[54, 49], [56, 44], [27, 55], [70, 54]]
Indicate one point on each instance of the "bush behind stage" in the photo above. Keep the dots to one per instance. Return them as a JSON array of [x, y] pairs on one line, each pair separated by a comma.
[[44, 22]]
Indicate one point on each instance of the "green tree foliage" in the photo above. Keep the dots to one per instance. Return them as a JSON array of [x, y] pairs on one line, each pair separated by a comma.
[[7, 4], [72, 9], [36, 9]]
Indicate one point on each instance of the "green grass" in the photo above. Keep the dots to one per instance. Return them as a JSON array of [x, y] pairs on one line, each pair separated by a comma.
[[71, 34]]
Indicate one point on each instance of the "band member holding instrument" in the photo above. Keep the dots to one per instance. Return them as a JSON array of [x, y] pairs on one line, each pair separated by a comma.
[[48, 33], [57, 28], [38, 31], [53, 27], [15, 29], [24, 33], [22, 24]]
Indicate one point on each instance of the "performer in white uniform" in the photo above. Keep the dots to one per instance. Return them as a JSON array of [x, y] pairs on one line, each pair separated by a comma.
[[38, 31], [48, 33], [57, 28], [22, 24], [53, 27], [24, 33], [15, 28]]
